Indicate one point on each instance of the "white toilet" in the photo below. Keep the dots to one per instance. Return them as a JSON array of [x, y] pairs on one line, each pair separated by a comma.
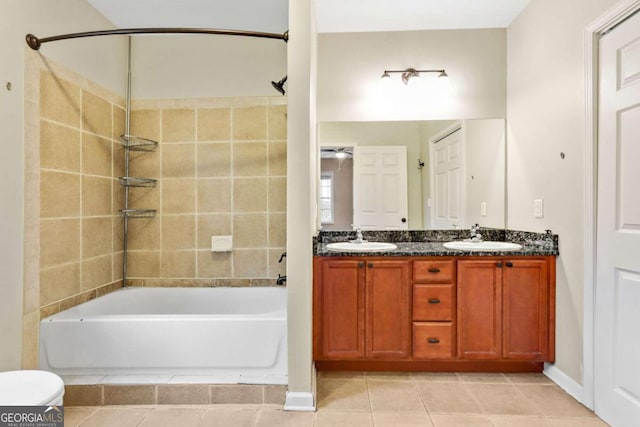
[[30, 388]]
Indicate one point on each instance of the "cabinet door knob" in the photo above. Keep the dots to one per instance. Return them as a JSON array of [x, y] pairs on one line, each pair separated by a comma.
[[499, 264], [361, 264], [509, 264], [434, 301], [433, 340], [370, 265], [434, 270]]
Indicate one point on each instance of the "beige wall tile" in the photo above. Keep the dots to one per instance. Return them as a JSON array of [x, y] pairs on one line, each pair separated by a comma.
[[129, 395], [96, 114], [83, 395], [143, 264], [236, 394], [278, 122], [96, 272], [178, 264], [145, 164], [178, 125], [178, 196], [97, 237], [107, 289], [275, 267], [77, 299], [59, 241], [144, 233], [250, 230], [214, 124], [178, 160], [59, 147], [59, 100], [250, 194], [274, 394], [183, 394], [213, 265], [250, 123], [277, 194], [117, 154], [119, 122], [214, 195], [117, 266], [146, 124], [212, 225], [250, 159], [59, 282], [178, 232], [96, 155], [142, 198], [277, 158], [277, 230], [96, 196], [30, 338], [250, 263], [214, 160], [49, 310], [59, 194]]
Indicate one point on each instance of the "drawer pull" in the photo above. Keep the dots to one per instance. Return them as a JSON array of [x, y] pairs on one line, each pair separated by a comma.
[[499, 264], [434, 270], [433, 340], [361, 264], [434, 301], [509, 264], [370, 265]]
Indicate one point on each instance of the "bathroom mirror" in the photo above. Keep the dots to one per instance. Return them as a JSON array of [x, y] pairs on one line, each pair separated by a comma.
[[454, 177]]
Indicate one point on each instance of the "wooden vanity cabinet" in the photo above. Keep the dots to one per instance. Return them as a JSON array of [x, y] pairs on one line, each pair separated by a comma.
[[434, 313], [503, 309], [362, 309]]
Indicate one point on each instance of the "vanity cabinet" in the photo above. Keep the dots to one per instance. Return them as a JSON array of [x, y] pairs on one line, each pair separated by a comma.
[[472, 313], [362, 309], [504, 309]]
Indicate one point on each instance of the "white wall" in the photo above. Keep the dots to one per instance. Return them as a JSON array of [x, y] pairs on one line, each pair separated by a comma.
[[201, 66], [350, 66], [102, 60], [546, 111]]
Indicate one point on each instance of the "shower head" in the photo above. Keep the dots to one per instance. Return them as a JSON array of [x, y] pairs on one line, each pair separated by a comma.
[[279, 86]]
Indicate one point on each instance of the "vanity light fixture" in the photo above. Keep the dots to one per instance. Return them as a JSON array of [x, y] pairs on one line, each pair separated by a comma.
[[411, 73]]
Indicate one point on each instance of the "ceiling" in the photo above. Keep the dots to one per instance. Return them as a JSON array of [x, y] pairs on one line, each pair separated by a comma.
[[332, 15]]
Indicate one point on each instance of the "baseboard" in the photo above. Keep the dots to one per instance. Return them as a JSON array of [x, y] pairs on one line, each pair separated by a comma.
[[299, 401], [565, 382]]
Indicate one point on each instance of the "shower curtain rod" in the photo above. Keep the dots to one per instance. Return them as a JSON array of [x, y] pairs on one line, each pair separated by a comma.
[[35, 42]]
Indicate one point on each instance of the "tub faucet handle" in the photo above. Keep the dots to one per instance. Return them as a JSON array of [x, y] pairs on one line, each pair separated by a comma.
[[282, 257]]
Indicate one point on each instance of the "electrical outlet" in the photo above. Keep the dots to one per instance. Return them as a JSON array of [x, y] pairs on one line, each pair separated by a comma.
[[483, 209], [538, 208]]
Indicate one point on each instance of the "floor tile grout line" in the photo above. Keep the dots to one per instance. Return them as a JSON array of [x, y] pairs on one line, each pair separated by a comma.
[[422, 400]]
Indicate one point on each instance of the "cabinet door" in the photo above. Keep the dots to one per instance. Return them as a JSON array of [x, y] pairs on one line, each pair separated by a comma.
[[525, 299], [341, 317], [388, 310], [479, 309]]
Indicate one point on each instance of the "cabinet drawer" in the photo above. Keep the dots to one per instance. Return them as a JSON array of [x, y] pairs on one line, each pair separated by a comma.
[[433, 271], [433, 340], [433, 302]]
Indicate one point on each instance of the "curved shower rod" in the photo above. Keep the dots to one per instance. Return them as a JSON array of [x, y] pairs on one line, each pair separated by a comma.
[[35, 42]]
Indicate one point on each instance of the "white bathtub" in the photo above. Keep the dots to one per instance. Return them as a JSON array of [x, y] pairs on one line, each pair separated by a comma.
[[234, 334]]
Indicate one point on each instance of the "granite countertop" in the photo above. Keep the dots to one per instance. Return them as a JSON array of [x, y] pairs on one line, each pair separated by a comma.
[[430, 243], [437, 249]]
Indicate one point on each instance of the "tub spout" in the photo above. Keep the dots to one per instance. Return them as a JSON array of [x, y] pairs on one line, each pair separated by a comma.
[[281, 280]]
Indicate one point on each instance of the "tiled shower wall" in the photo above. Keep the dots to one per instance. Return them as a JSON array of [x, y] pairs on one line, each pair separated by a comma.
[[221, 170], [72, 234]]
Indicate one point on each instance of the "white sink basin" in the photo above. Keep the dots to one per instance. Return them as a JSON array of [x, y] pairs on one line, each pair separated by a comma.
[[361, 247], [482, 246]]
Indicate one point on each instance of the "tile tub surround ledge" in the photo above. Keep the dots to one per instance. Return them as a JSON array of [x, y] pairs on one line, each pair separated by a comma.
[[429, 242]]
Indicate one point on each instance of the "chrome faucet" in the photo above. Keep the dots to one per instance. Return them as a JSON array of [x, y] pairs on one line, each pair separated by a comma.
[[358, 238], [475, 236]]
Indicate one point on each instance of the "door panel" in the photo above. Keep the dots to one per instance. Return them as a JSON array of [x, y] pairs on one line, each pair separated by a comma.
[[479, 309], [388, 309], [447, 173], [617, 347]]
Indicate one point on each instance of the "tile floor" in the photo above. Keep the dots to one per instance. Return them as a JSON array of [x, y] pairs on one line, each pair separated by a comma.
[[377, 399]]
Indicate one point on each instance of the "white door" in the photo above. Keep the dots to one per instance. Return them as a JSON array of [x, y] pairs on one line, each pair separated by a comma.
[[617, 302], [447, 176], [380, 187]]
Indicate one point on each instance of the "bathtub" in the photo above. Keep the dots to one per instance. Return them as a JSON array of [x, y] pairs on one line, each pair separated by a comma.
[[230, 334]]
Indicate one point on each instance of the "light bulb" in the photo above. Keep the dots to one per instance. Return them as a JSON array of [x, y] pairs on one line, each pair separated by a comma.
[[341, 155]]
